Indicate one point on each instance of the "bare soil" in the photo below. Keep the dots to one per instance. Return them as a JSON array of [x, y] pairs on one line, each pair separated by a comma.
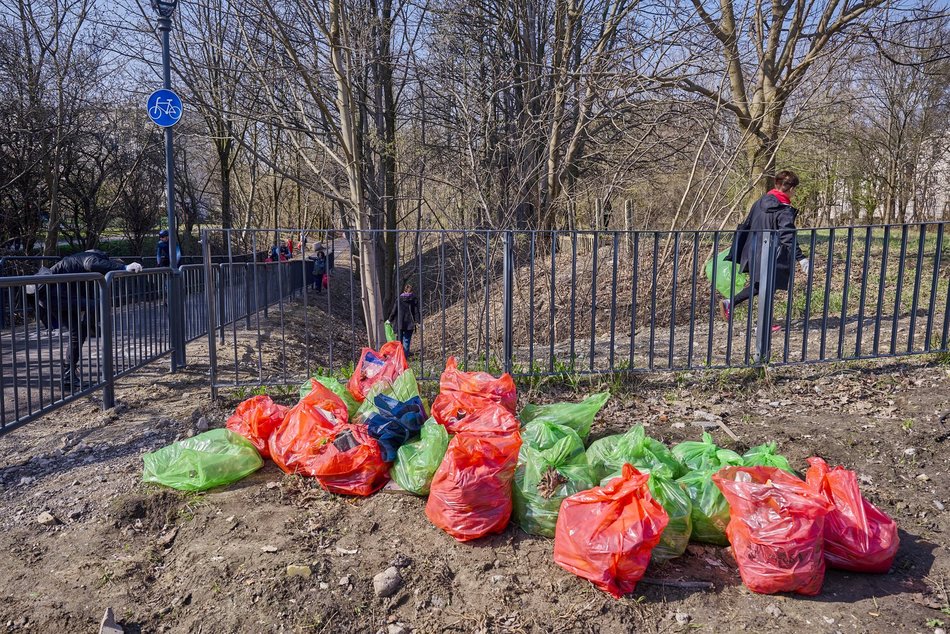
[[217, 562]]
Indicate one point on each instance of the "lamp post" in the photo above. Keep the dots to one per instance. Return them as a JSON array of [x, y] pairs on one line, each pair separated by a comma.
[[165, 9]]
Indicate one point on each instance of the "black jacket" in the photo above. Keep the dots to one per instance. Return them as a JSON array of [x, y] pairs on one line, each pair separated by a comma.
[[405, 313], [767, 214], [91, 261]]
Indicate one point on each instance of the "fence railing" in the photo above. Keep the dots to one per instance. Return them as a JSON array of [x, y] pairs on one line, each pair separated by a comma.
[[584, 302], [67, 336]]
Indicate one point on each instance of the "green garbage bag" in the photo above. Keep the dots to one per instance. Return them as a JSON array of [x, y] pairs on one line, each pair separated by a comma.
[[335, 386], [705, 455], [403, 388], [609, 454], [390, 333], [725, 271], [551, 466], [216, 457], [577, 416], [765, 456], [674, 500], [417, 461], [710, 512]]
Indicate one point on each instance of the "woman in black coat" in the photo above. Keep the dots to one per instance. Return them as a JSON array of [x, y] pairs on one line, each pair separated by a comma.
[[771, 213], [406, 315]]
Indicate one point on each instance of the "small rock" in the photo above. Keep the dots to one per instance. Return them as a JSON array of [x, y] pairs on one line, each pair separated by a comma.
[[347, 551], [272, 485], [496, 579], [401, 561], [938, 504], [923, 477], [202, 425], [166, 540], [268, 549], [705, 424], [910, 451], [437, 602], [829, 620], [27, 480], [679, 425], [295, 570], [344, 581], [46, 519], [773, 610], [387, 583], [397, 628], [324, 585], [682, 618], [940, 630], [108, 624]]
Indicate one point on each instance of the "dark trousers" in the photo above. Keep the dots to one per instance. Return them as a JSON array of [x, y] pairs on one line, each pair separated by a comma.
[[406, 337], [78, 314]]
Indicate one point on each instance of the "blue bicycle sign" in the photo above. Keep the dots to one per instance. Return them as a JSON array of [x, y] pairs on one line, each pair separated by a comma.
[[164, 108]]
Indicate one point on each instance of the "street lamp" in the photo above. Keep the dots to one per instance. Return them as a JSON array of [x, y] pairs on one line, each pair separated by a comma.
[[165, 9]]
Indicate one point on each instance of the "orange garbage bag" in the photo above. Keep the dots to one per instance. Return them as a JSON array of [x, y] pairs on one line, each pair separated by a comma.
[[256, 419], [373, 367], [349, 462], [470, 495], [776, 529], [606, 534], [305, 427], [462, 393], [858, 536]]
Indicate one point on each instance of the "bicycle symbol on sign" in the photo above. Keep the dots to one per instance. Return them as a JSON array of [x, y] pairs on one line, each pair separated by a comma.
[[164, 107]]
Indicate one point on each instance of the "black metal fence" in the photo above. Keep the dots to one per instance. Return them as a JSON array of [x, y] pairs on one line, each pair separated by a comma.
[[581, 302]]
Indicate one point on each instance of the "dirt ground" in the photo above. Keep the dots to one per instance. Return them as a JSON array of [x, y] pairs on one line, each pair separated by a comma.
[[217, 562]]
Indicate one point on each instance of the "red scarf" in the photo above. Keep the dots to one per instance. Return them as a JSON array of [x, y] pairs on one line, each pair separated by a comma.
[[782, 196]]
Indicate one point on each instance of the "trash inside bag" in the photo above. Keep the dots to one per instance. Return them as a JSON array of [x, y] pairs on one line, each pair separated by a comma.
[[305, 429], [577, 416], [607, 534], [551, 466], [776, 529], [335, 386], [710, 511], [858, 536], [349, 462], [211, 459], [704, 455], [403, 388], [725, 271], [373, 367], [461, 393], [256, 419], [470, 494], [417, 461], [765, 456], [679, 509], [607, 455], [395, 423]]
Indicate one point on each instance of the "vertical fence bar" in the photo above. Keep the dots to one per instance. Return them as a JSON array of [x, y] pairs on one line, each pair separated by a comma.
[[764, 317], [899, 295], [881, 284], [552, 335], [921, 245], [827, 290], [938, 249], [613, 298], [864, 287], [209, 300], [508, 291], [843, 322], [710, 335], [692, 301], [633, 297], [533, 250], [654, 277], [105, 353], [676, 269], [573, 293]]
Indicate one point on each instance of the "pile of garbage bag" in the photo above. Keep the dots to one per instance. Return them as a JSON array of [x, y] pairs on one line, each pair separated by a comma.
[[612, 506]]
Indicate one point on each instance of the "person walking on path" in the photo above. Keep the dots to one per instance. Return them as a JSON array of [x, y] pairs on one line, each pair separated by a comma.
[[319, 270], [162, 258], [771, 213], [75, 304], [405, 315]]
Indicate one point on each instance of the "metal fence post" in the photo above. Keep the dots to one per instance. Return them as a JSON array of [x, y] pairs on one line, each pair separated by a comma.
[[763, 333], [508, 269], [106, 351], [209, 298]]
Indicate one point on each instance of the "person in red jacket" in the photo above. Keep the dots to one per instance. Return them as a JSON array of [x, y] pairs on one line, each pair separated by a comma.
[[771, 213]]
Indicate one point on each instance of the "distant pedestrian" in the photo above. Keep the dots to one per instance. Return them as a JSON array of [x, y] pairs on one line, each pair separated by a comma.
[[162, 258], [290, 248], [319, 270], [405, 315], [771, 213], [75, 305]]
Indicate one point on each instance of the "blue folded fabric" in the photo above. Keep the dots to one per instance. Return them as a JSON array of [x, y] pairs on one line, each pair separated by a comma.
[[396, 423]]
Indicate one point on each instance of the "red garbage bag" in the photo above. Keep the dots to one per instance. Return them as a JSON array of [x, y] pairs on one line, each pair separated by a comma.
[[470, 495], [489, 418], [349, 462], [256, 419], [606, 534], [305, 427], [373, 367], [776, 529], [462, 393], [858, 536]]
